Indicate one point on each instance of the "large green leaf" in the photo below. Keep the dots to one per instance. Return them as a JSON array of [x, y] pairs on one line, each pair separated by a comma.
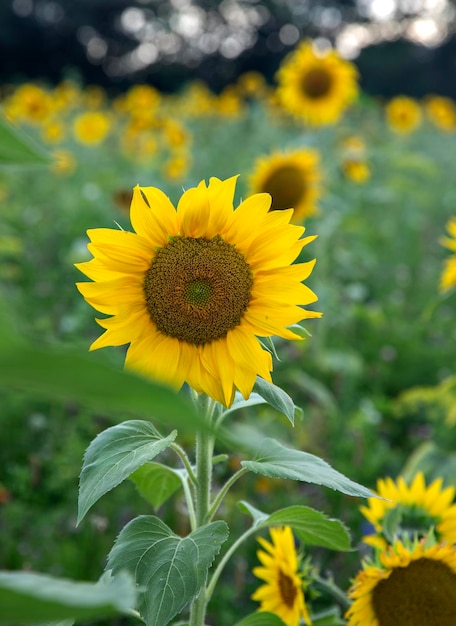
[[115, 454], [261, 618], [29, 598], [18, 150], [156, 482], [276, 461], [312, 527], [169, 568]]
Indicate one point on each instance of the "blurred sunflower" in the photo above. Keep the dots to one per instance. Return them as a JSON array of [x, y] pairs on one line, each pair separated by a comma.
[[282, 592], [442, 112], [448, 278], [91, 127], [403, 114], [415, 509], [356, 170], [316, 87], [193, 288], [291, 178], [409, 585]]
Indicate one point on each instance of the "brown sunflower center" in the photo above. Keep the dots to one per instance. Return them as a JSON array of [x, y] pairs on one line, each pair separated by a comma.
[[287, 187], [421, 594], [316, 83], [197, 289], [288, 591]]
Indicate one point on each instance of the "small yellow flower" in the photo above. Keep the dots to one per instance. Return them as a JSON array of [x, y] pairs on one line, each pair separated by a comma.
[[420, 508], [282, 592], [316, 87], [293, 180], [403, 114], [194, 287], [53, 131], [176, 166], [410, 585], [64, 162], [29, 103], [448, 278], [356, 170], [442, 112], [91, 128]]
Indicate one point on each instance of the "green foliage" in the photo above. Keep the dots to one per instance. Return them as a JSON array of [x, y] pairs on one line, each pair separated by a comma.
[[277, 461], [171, 570], [156, 482], [28, 598], [262, 618], [115, 454], [18, 150]]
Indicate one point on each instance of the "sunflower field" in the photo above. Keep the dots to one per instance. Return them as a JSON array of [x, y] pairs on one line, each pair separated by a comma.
[[370, 371]]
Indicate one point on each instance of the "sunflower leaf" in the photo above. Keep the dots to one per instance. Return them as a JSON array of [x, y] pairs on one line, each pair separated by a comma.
[[170, 569], [311, 526], [261, 618], [115, 454], [17, 149], [30, 598], [156, 482], [276, 397], [276, 461]]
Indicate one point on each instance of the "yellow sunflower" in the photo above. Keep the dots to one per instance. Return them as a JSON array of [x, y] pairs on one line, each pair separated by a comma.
[[442, 112], [416, 508], [411, 585], [193, 287], [448, 278], [316, 87], [91, 128], [403, 114], [356, 170], [283, 592], [291, 178]]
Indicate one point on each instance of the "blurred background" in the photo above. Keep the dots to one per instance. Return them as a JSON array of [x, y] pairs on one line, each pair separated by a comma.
[[118, 43]]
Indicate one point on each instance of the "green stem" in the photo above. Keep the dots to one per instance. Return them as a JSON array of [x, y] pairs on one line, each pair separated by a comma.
[[223, 491], [332, 589], [204, 450], [184, 458]]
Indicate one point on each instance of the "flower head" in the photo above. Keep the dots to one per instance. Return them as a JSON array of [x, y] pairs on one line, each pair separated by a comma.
[[193, 287], [442, 112], [448, 278], [91, 128], [292, 179], [316, 87], [403, 114], [410, 585], [282, 592], [417, 509]]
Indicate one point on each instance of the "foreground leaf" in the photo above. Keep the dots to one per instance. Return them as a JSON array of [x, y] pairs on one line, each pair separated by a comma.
[[18, 150], [156, 482], [276, 397], [261, 618], [29, 598], [311, 526], [115, 454], [169, 568], [276, 461]]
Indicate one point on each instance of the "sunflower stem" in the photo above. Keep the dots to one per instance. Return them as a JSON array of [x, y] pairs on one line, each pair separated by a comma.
[[185, 460], [204, 451], [332, 589], [223, 491]]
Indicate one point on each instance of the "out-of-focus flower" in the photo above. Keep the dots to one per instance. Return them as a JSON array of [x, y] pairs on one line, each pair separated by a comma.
[[64, 162], [91, 127], [176, 166], [356, 170], [29, 103], [293, 180], [442, 112], [53, 131], [448, 278], [282, 592], [403, 114], [417, 509], [193, 288], [316, 87], [410, 584]]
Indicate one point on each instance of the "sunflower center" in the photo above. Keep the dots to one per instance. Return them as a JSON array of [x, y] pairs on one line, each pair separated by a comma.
[[287, 187], [420, 594], [197, 289], [288, 591], [316, 83]]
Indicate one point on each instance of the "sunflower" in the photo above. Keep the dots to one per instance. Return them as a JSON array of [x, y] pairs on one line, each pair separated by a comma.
[[356, 170], [442, 112], [283, 592], [448, 278], [193, 287], [403, 114], [410, 585], [291, 178], [91, 128], [316, 87], [416, 508]]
